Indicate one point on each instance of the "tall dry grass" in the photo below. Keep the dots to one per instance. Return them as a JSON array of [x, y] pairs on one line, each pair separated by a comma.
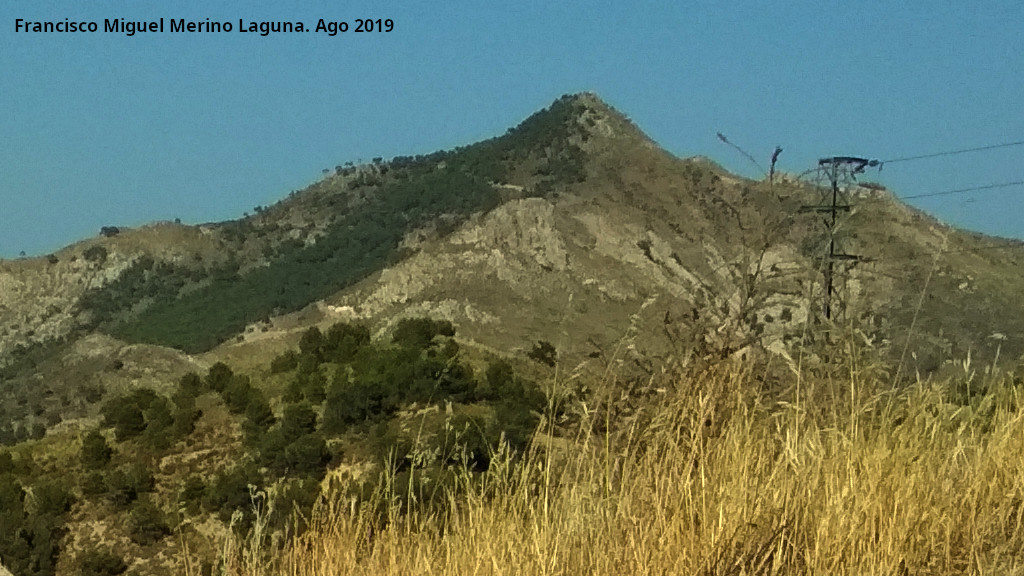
[[848, 476]]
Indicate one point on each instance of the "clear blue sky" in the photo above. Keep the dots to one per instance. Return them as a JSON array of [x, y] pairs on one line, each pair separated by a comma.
[[104, 129]]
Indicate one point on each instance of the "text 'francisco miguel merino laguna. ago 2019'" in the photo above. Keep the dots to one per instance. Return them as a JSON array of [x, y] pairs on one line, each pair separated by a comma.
[[263, 28]]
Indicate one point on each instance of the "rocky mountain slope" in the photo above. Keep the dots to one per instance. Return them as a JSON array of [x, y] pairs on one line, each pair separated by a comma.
[[591, 229]]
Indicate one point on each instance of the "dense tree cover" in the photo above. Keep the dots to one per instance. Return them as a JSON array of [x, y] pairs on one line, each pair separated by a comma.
[[409, 192], [372, 381], [146, 279], [547, 138], [354, 246], [30, 538]]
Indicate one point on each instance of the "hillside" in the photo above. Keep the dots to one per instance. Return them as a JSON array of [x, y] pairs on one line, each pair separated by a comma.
[[421, 306]]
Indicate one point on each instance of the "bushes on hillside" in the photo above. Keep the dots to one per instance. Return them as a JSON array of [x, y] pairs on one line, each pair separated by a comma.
[[147, 524], [286, 362], [191, 494], [126, 484], [419, 333], [101, 562], [143, 413]]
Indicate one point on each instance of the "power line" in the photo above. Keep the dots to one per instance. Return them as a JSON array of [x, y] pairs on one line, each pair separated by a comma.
[[962, 190], [954, 152]]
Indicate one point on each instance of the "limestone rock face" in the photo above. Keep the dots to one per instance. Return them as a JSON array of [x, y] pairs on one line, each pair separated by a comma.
[[37, 297]]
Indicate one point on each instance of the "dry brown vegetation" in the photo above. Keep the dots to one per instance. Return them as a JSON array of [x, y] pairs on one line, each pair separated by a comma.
[[848, 475]]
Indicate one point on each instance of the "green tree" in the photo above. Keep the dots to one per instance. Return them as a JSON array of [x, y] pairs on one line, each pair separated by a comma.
[[307, 455], [159, 424], [95, 451], [124, 485], [311, 344], [126, 417], [219, 376], [6, 462], [285, 362], [238, 393], [344, 340], [419, 333], [299, 420], [185, 421], [191, 384]]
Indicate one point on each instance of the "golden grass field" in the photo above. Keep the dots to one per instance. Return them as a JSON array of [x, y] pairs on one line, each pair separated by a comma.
[[847, 476]]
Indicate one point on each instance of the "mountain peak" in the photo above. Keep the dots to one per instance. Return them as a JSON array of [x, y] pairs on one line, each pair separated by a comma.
[[599, 119]]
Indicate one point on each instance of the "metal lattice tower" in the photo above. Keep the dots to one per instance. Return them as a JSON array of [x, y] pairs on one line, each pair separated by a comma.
[[834, 179]]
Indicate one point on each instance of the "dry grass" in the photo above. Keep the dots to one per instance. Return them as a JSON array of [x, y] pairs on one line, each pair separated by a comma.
[[848, 477]]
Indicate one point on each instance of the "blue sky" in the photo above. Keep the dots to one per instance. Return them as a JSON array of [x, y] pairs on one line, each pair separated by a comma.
[[104, 129]]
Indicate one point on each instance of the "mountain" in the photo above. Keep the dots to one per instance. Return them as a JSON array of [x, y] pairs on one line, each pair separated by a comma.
[[575, 201], [572, 243], [573, 229]]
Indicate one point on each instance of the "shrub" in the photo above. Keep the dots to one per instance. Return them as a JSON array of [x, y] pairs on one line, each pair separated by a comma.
[[52, 499], [544, 352], [191, 495], [97, 562], [419, 333], [146, 523], [92, 484], [285, 362], [97, 254]]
